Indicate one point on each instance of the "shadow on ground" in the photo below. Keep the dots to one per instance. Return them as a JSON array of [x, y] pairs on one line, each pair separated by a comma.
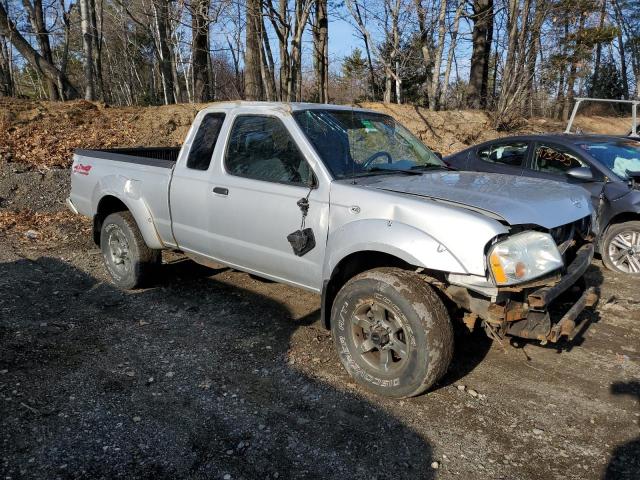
[[625, 459], [188, 379]]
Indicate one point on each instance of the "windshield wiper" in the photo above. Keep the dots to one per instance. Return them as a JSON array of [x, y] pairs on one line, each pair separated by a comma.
[[432, 167], [394, 170]]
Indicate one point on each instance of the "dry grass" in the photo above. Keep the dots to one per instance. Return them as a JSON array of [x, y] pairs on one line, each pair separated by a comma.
[[32, 227]]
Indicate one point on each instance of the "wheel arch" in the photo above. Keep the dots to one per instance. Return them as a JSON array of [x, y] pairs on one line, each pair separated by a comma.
[[352, 265], [110, 203]]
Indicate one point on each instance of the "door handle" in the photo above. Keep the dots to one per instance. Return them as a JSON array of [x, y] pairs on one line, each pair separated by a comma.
[[220, 191]]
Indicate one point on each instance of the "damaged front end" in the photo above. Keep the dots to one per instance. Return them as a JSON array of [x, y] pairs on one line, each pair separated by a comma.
[[545, 308]]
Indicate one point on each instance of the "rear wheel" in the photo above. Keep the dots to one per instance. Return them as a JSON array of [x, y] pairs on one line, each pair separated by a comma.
[[392, 332], [128, 259], [621, 248]]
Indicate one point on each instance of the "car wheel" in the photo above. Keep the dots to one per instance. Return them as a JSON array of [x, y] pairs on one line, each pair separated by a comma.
[[621, 247], [129, 261], [392, 332]]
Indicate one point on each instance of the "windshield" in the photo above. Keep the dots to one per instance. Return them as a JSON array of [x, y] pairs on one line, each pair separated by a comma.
[[357, 143], [619, 155]]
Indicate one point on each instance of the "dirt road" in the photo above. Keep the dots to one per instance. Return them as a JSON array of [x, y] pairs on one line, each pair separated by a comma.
[[212, 373]]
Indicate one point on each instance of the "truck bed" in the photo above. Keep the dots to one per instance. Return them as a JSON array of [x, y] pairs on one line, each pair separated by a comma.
[[164, 157], [139, 177]]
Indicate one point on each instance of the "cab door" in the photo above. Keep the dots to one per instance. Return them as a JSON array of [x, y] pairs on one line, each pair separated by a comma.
[[253, 201]]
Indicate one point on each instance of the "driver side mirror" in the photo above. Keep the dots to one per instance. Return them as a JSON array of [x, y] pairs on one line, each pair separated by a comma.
[[582, 174]]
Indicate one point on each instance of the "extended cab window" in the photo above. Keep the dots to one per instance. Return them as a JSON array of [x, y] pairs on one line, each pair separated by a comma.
[[205, 141], [261, 148], [555, 159], [513, 154]]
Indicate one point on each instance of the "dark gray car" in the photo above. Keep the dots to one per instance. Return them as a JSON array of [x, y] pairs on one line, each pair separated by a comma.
[[607, 166]]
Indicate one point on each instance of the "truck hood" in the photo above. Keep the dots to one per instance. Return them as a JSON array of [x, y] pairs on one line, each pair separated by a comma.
[[516, 200]]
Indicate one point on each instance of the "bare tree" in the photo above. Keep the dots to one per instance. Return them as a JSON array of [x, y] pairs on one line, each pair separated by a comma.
[[87, 44], [8, 29], [200, 49], [482, 38], [321, 50], [252, 54]]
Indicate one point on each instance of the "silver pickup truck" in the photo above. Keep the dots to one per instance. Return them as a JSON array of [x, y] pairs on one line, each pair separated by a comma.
[[349, 204]]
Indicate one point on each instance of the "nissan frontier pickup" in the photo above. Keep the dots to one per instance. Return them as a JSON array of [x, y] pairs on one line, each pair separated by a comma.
[[347, 203]]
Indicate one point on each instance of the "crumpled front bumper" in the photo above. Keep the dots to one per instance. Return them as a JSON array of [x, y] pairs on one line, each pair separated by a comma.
[[533, 318]]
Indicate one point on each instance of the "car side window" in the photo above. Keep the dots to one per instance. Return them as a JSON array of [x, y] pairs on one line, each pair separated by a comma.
[[513, 154], [261, 148], [205, 141], [555, 160]]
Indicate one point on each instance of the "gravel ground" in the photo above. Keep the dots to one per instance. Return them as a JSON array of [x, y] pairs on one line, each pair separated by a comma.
[[212, 373]]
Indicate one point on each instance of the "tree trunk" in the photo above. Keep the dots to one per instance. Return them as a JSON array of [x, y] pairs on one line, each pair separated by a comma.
[[623, 56], [96, 37], [252, 57], [87, 47], [200, 50], [7, 88], [425, 46], [271, 65], [571, 78], [8, 29], [321, 50], [434, 93], [478, 74], [161, 17], [39, 27], [452, 49], [597, 61]]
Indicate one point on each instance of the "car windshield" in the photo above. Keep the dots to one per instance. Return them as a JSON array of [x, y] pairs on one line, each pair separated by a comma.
[[357, 143], [620, 156]]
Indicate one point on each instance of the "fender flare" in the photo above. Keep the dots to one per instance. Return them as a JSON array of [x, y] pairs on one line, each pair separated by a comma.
[[128, 192], [411, 245]]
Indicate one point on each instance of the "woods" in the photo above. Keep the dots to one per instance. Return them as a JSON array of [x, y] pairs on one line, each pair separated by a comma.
[[512, 57]]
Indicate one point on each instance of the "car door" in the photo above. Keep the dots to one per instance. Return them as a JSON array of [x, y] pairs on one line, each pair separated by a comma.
[[551, 161], [504, 156], [254, 204]]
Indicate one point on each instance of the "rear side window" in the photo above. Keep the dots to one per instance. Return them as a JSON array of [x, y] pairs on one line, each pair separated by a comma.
[[205, 141], [513, 154], [555, 159]]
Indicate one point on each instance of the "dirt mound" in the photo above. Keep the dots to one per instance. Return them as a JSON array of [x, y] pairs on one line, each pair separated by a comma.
[[44, 134]]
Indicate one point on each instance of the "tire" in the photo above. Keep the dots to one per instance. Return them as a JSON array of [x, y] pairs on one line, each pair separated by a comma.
[[129, 261], [392, 332], [621, 248]]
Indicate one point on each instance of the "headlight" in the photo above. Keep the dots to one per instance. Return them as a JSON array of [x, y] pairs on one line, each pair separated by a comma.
[[523, 257]]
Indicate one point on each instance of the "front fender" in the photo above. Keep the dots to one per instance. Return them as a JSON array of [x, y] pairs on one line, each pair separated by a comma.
[[394, 238], [128, 192]]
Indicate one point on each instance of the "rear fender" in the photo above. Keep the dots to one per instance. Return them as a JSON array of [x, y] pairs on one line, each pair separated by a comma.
[[129, 192]]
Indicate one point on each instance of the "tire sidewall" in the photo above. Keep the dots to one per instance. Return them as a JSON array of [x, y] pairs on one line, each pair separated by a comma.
[[111, 223], [366, 290], [610, 234]]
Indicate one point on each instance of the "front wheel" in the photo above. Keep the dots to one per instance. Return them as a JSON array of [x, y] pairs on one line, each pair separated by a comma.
[[392, 332], [128, 259], [621, 248]]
